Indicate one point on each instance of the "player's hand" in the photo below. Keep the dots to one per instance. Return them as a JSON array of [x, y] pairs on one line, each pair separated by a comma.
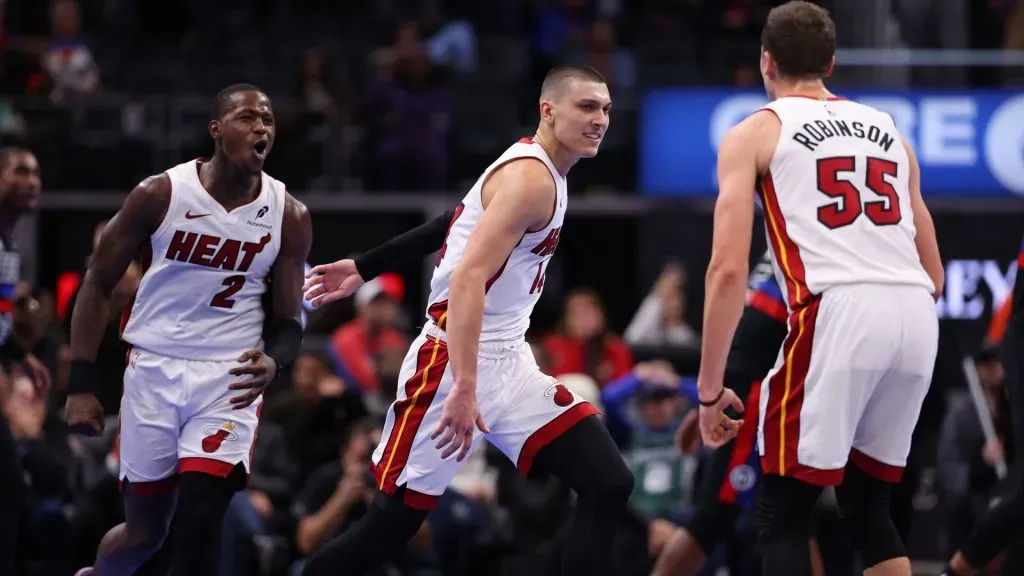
[[261, 367], [38, 372], [992, 452], [329, 282], [688, 434], [458, 419], [84, 414], [716, 428], [658, 534]]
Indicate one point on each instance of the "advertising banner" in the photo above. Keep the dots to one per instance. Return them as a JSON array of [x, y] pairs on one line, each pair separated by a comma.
[[968, 143]]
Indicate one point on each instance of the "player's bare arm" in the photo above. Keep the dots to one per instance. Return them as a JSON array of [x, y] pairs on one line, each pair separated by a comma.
[[518, 197], [283, 339], [138, 218], [743, 155], [925, 240]]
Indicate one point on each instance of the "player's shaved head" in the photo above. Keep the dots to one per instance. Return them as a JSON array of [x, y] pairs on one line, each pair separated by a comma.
[[222, 101], [560, 76]]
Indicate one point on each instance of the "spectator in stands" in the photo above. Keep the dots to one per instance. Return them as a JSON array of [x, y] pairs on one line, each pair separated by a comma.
[[98, 504], [338, 493], [584, 344], [354, 345], [408, 120], [966, 475], [661, 318], [45, 456], [262, 511], [314, 412], [604, 55], [69, 63]]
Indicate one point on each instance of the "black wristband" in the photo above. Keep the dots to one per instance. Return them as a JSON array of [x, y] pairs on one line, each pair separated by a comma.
[[421, 241], [283, 342], [710, 403], [81, 377]]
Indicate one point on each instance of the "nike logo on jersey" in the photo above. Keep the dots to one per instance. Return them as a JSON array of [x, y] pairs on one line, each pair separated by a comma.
[[192, 216]]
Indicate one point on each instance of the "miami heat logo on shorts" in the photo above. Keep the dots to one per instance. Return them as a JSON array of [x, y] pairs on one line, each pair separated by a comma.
[[216, 436], [559, 394]]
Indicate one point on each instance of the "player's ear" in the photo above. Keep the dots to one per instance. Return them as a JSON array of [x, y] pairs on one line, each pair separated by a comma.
[[214, 128], [831, 66], [546, 111]]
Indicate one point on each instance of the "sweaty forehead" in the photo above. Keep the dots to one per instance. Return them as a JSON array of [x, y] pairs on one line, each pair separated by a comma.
[[23, 161]]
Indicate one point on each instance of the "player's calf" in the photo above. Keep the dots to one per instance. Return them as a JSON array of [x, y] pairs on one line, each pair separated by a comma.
[[203, 500], [864, 505], [376, 538], [148, 514], [785, 510]]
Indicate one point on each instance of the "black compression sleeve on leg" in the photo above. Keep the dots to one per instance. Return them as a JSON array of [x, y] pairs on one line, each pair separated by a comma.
[[202, 501], [785, 508], [416, 243], [377, 537], [996, 530]]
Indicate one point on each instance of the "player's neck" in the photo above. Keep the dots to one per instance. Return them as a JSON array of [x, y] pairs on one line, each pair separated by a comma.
[[225, 181], [560, 156], [807, 88]]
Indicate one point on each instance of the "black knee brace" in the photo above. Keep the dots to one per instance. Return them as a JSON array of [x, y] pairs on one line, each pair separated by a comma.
[[202, 501], [785, 508], [711, 523], [864, 504]]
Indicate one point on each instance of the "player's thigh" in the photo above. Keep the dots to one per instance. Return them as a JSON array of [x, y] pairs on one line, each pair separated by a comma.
[[407, 456], [537, 410], [215, 436], [150, 417], [887, 424]]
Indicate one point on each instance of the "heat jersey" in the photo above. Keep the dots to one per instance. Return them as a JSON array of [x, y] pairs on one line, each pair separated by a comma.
[[836, 199], [206, 271], [515, 288]]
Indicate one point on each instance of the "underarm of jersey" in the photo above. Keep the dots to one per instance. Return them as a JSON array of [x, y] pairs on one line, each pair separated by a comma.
[[283, 341], [416, 243]]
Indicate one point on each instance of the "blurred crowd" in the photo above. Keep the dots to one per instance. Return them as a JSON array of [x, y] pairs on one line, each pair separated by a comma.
[[403, 95], [311, 479]]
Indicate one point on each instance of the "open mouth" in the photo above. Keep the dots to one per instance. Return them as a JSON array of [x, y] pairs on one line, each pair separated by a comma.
[[261, 148], [593, 136]]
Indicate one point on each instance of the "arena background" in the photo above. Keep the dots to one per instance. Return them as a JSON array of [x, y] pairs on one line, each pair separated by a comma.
[[387, 111]]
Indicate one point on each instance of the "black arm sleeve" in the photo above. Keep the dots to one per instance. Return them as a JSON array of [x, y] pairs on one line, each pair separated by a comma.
[[421, 241]]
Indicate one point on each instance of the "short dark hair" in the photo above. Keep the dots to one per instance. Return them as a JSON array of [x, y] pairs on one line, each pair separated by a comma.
[[8, 152], [801, 37], [222, 98], [559, 75]]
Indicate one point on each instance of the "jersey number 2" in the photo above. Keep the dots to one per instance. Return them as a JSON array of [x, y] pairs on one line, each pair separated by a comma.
[[849, 205], [232, 284]]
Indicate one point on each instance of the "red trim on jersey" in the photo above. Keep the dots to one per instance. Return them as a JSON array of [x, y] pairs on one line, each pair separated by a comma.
[[773, 307], [149, 488], [785, 400], [525, 140], [420, 389], [205, 466], [1020, 259], [145, 260], [549, 432], [880, 470], [438, 311], [787, 254], [745, 443]]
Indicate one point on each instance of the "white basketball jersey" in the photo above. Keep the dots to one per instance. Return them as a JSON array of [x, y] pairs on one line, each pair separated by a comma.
[[837, 200], [515, 288], [206, 271]]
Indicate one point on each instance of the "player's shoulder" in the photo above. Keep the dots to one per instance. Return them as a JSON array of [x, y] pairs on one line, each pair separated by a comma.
[[153, 190], [294, 208]]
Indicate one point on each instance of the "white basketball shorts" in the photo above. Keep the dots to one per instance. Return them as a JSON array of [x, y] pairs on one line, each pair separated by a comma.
[[524, 408], [176, 416], [849, 383]]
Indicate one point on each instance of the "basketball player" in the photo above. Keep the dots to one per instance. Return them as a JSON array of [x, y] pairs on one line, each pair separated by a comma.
[[214, 235], [727, 488], [471, 367], [1002, 525], [855, 248], [19, 195]]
